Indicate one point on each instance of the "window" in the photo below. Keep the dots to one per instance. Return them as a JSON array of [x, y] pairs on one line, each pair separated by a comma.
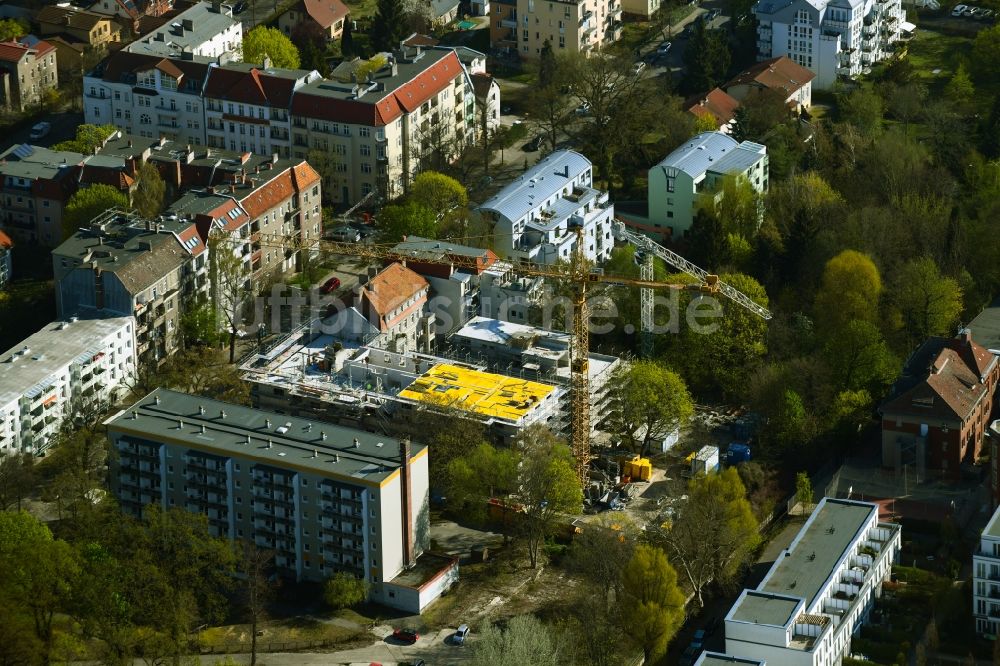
[[364, 131]]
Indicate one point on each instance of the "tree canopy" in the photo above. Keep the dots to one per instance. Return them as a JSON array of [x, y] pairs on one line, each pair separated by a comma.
[[408, 219], [651, 401], [264, 41], [653, 604], [850, 290], [88, 137], [89, 202], [388, 25], [150, 191]]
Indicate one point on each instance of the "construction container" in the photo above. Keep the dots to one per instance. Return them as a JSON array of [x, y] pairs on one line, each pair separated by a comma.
[[638, 469], [706, 460], [738, 453]]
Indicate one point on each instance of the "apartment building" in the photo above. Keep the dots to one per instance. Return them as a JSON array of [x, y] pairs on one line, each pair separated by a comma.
[[124, 265], [6, 259], [570, 26], [206, 29], [536, 217], [319, 373], [378, 130], [325, 16], [677, 184], [833, 39], [782, 76], [819, 590], [256, 203], [75, 32], [27, 70], [395, 301], [503, 25], [68, 368], [35, 184], [986, 579], [247, 107], [149, 96], [534, 353], [939, 410], [324, 498]]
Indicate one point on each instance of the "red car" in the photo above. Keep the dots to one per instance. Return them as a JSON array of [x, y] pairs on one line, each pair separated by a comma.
[[405, 635], [330, 285]]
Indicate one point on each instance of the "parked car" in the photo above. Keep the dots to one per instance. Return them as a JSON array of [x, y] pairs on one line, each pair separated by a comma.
[[986, 15], [405, 635], [957, 11], [345, 234], [974, 12], [39, 130], [460, 635], [712, 15], [969, 12], [583, 109], [331, 285], [663, 49], [689, 656]]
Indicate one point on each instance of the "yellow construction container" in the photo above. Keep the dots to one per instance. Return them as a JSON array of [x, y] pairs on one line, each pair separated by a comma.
[[638, 469]]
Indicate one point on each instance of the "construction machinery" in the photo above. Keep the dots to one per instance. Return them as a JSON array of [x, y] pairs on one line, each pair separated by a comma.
[[581, 275]]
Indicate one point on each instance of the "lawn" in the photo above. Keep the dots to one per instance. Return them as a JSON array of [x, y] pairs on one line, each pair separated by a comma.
[[361, 8], [291, 634], [929, 51]]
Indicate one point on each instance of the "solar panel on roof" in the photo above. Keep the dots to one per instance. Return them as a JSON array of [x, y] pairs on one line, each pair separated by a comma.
[[24, 150]]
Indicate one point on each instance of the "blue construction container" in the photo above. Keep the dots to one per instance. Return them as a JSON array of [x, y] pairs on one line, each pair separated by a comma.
[[738, 453]]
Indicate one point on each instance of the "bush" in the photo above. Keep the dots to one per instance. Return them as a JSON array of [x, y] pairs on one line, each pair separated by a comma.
[[344, 590]]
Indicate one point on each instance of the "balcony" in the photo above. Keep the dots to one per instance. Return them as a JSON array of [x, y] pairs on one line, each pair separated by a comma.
[[586, 16]]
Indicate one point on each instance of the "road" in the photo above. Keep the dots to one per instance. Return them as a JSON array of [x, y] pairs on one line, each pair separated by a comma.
[[63, 127], [674, 60], [256, 12]]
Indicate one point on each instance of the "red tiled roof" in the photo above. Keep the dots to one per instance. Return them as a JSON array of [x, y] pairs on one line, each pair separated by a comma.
[[417, 39], [950, 392], [12, 51], [390, 288], [5, 241], [405, 98], [187, 235], [781, 74], [717, 102], [253, 87], [117, 178], [279, 188], [126, 62], [325, 12]]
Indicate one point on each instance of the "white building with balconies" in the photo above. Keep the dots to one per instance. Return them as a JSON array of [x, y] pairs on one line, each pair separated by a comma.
[[66, 369], [819, 591], [986, 579], [834, 38], [536, 218]]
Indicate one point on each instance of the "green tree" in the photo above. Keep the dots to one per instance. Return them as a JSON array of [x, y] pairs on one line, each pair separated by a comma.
[[707, 239], [480, 475], [859, 358], [408, 219], [706, 59], [436, 191], [342, 590], [907, 102], [653, 605], [370, 66], [230, 285], [388, 25], [651, 401], [863, 109], [803, 489], [450, 433], [928, 302], [200, 326], [738, 209], [849, 291], [547, 488], [984, 56], [763, 109], [600, 553], [347, 39], [88, 137], [12, 28], [547, 66], [787, 423], [17, 478], [149, 191], [714, 533], [524, 642], [270, 42], [88, 203]]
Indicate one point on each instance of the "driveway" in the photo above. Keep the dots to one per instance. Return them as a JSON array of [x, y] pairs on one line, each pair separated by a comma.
[[63, 127]]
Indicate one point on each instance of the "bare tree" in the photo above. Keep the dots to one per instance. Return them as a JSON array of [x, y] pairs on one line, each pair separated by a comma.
[[258, 588], [230, 284]]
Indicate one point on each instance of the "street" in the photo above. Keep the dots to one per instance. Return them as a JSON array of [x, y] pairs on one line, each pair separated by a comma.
[[63, 127]]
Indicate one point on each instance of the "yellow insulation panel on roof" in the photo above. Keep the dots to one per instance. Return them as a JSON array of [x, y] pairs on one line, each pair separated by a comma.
[[483, 393]]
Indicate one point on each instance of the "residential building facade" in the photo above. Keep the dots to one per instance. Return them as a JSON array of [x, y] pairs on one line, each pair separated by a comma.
[[206, 29], [986, 579], [819, 590], [570, 26], [6, 259], [125, 265], [325, 16], [69, 368], [697, 169], [536, 218], [939, 410], [394, 301], [35, 184], [503, 25], [324, 498], [833, 38], [780, 75], [75, 32], [26, 72], [644, 9]]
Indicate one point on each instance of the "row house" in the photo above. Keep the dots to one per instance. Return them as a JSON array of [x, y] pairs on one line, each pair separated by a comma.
[[68, 368], [76, 32], [835, 39], [124, 265], [27, 71], [939, 411], [569, 26], [323, 498]]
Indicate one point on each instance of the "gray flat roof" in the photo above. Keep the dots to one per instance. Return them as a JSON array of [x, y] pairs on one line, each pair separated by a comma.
[[537, 184], [762, 608], [205, 22], [31, 162], [340, 86], [307, 444], [436, 248], [717, 659], [48, 351], [986, 326], [803, 569], [745, 156], [426, 568]]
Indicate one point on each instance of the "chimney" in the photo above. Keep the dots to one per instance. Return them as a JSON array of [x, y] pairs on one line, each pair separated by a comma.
[[394, 69], [274, 158], [217, 6], [965, 335], [232, 188], [407, 501], [187, 24], [130, 143]]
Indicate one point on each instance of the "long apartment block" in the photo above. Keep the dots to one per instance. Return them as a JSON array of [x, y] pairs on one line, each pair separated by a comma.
[[69, 368], [819, 590], [986, 579], [323, 498]]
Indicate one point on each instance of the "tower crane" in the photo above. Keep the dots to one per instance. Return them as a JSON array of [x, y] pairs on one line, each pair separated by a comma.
[[576, 272]]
